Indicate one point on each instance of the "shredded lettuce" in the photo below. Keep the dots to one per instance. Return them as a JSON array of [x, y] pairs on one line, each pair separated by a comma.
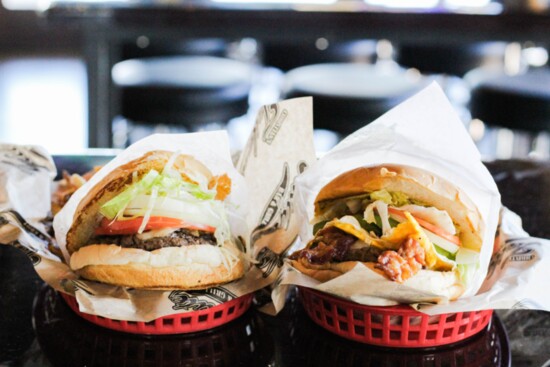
[[369, 227], [116, 205], [383, 195], [395, 198], [444, 252], [467, 264], [467, 272], [163, 184]]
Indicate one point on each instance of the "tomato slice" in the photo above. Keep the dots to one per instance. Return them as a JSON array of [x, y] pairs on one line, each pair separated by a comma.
[[430, 227], [131, 226]]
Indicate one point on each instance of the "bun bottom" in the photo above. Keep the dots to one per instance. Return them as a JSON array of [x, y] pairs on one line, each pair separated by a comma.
[[441, 283], [188, 277], [187, 268]]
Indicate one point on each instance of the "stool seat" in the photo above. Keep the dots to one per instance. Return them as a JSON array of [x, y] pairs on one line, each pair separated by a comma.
[[288, 56], [451, 59], [347, 97], [176, 47], [520, 102], [188, 90]]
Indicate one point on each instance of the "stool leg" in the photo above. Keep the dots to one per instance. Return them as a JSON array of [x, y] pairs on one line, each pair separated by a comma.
[[522, 144], [541, 148]]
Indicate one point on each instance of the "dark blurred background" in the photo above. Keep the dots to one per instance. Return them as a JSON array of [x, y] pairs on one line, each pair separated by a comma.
[[76, 75]]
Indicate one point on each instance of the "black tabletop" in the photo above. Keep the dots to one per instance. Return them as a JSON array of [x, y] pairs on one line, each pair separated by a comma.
[[38, 329]]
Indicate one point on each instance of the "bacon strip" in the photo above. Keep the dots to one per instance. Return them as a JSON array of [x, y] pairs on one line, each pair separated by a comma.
[[403, 264], [330, 244]]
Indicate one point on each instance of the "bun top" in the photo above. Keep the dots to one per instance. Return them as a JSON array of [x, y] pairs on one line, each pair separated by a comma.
[[87, 216], [417, 184]]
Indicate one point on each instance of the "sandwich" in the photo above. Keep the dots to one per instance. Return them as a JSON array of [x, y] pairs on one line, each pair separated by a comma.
[[160, 222], [407, 224]]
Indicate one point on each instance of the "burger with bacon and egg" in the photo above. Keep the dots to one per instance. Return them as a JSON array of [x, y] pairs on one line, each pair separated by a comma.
[[159, 221], [405, 223]]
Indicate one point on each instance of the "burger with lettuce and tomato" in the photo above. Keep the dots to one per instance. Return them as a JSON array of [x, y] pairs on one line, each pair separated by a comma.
[[405, 223], [159, 221]]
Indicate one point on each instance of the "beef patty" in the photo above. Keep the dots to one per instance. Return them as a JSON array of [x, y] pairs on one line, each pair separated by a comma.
[[178, 238]]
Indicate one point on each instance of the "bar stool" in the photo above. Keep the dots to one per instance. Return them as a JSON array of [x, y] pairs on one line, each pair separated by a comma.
[[449, 63], [516, 110], [145, 46], [347, 97], [449, 59], [524, 181], [179, 94], [288, 56]]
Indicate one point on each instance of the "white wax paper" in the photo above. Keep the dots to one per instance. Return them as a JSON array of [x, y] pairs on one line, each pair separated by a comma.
[[26, 173], [423, 132]]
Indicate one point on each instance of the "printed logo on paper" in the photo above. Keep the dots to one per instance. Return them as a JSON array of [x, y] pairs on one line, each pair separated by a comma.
[[200, 300], [33, 256], [268, 261], [274, 118], [527, 304], [514, 250], [24, 225], [278, 211], [26, 159], [276, 214]]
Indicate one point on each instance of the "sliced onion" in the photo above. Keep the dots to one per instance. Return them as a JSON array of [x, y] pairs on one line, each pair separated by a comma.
[[150, 206], [369, 213], [441, 242], [204, 212], [439, 218], [171, 161], [382, 209], [350, 219]]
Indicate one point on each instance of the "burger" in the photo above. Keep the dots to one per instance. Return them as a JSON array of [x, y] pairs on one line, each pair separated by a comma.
[[159, 221], [405, 223]]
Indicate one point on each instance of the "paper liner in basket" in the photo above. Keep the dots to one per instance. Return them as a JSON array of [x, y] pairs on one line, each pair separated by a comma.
[[274, 131], [422, 132]]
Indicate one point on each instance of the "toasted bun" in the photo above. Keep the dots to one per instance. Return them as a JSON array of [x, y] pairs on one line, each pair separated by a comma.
[[439, 283], [187, 267], [87, 216], [417, 184]]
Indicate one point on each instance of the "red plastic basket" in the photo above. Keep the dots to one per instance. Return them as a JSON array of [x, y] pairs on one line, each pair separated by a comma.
[[187, 322], [395, 326]]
